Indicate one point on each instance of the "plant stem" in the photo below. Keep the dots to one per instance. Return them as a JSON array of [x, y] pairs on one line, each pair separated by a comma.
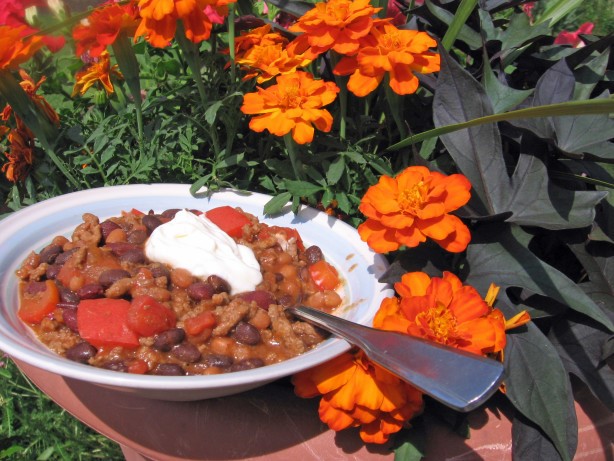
[[231, 42], [395, 103], [293, 154], [342, 83]]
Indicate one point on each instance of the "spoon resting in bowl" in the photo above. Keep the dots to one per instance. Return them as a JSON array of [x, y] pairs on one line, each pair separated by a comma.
[[458, 379]]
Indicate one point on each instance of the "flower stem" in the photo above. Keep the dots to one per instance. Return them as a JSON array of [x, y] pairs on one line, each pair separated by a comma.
[[342, 83], [395, 103], [231, 42], [293, 154], [126, 59]]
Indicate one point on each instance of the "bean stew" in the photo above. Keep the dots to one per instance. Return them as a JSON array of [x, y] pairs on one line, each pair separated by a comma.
[[97, 299]]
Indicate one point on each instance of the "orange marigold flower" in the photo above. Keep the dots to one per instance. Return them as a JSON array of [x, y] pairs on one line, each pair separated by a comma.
[[263, 54], [102, 27], [31, 87], [336, 24], [414, 205], [446, 311], [159, 19], [358, 393], [99, 71], [20, 156], [387, 49], [294, 104], [16, 49]]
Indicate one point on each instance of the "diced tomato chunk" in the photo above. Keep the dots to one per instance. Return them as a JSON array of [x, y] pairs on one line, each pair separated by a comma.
[[229, 219], [287, 232], [37, 300], [196, 325], [324, 275], [104, 322], [137, 367], [146, 316]]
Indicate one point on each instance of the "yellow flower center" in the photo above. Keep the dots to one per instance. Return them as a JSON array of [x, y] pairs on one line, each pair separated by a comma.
[[390, 41], [413, 198], [440, 321]]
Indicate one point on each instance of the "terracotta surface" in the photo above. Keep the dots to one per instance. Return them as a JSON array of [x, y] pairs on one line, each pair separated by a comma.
[[271, 423]]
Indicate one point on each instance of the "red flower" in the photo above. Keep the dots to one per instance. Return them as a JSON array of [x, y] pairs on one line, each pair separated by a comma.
[[573, 38]]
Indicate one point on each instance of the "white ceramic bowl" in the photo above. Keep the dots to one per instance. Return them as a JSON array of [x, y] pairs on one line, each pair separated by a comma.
[[33, 227]]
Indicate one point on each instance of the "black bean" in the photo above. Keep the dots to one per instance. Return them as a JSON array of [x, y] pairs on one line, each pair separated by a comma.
[[68, 296], [313, 254], [49, 253], [167, 339], [247, 364], [115, 365], [200, 290], [81, 352], [133, 256], [110, 276], [90, 291], [69, 316], [170, 213], [137, 236], [217, 360], [219, 284], [106, 227], [52, 271], [150, 222], [246, 333], [186, 352], [63, 257], [168, 369]]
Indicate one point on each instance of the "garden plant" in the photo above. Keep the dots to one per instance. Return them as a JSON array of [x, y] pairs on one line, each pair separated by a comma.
[[468, 140]]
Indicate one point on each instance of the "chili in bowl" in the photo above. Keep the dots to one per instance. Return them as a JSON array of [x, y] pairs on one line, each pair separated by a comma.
[[95, 300]]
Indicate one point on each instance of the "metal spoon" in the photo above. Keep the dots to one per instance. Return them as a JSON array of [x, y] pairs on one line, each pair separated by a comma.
[[458, 379]]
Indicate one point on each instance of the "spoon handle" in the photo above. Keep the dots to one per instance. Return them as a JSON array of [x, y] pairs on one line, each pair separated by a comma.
[[458, 379]]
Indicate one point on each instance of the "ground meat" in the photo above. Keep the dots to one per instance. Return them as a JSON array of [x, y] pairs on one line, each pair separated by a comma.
[[282, 329], [228, 316], [89, 232], [309, 335]]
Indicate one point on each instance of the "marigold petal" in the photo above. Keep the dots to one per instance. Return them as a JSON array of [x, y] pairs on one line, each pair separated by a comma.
[[458, 240], [437, 228], [413, 284], [410, 237], [481, 334], [403, 81], [518, 320], [379, 238], [361, 85], [336, 419], [302, 132], [346, 66], [467, 304]]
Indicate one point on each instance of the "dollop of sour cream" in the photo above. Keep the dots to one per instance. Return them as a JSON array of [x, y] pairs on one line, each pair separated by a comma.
[[194, 243]]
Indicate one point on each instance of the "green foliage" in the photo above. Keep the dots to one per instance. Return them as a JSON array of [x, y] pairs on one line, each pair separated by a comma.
[[33, 428]]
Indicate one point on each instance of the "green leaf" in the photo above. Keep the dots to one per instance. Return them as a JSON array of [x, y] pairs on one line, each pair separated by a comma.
[[335, 170], [538, 387], [590, 74], [556, 10], [500, 255], [457, 29], [301, 188], [502, 97], [410, 443], [276, 204], [211, 112]]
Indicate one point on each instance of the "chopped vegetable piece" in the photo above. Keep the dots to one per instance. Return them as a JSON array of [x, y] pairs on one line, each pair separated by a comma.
[[287, 232], [37, 300], [324, 275], [228, 219], [196, 325], [138, 367], [146, 316], [104, 322]]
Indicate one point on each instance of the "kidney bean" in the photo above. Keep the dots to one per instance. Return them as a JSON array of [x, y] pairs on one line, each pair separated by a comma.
[[68, 296], [313, 254], [81, 352], [52, 271], [168, 369], [150, 222], [133, 256], [200, 290], [217, 360], [262, 298], [186, 352], [247, 364], [69, 316], [170, 213], [137, 236], [50, 253], [121, 248], [110, 276], [219, 284], [106, 227], [246, 333], [90, 291], [63, 257], [167, 339], [115, 365]]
